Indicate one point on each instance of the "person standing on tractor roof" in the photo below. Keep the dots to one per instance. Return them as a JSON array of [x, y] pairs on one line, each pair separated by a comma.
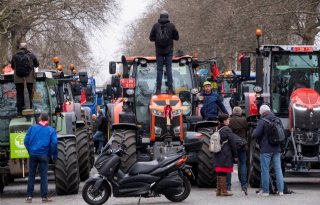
[[268, 151], [163, 33], [23, 64], [212, 103], [41, 142]]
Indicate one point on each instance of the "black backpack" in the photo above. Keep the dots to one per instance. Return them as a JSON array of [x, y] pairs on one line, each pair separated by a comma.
[[162, 37], [276, 134], [23, 64]]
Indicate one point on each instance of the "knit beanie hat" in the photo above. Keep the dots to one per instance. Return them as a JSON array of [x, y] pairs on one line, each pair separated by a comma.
[[237, 111], [264, 109]]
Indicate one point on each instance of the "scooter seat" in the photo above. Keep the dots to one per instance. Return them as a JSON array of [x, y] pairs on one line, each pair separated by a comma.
[[143, 167], [148, 167]]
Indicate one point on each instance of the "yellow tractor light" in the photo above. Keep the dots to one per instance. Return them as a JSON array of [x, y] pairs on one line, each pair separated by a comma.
[[258, 32], [72, 66], [59, 67], [74, 71], [56, 59]]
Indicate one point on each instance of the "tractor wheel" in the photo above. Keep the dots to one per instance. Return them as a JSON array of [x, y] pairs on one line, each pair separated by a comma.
[[254, 177], [83, 149], [1, 183], [206, 175], [66, 170], [128, 137]]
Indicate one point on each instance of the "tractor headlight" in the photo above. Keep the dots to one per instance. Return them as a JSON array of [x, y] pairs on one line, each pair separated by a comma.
[[299, 107], [317, 108], [194, 91], [186, 108], [176, 113], [130, 92], [157, 130], [176, 130], [157, 113]]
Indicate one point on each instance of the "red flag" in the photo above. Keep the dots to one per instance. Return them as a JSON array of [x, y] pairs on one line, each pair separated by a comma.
[[83, 98], [240, 58], [215, 72]]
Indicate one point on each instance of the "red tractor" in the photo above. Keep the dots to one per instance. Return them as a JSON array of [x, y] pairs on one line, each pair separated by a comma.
[[288, 80]]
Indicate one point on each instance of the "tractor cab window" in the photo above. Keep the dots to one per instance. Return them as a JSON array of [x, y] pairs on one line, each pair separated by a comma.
[[40, 98], [290, 72], [7, 109]]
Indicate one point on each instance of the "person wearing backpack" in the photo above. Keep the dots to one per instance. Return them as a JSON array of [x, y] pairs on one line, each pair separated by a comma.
[[23, 64], [163, 33], [225, 158], [239, 126], [269, 151]]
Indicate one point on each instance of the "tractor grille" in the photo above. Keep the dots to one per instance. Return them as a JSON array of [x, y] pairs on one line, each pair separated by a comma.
[[162, 123], [308, 119]]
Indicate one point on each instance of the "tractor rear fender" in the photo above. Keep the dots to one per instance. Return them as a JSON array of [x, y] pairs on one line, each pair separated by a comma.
[[66, 136], [66, 125], [87, 115], [206, 124], [127, 126], [77, 110]]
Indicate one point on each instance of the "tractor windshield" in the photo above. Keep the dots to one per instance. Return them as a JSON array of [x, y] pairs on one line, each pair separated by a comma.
[[289, 72], [40, 98], [146, 85]]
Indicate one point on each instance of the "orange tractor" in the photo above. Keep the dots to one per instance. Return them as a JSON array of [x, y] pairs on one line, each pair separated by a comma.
[[154, 126]]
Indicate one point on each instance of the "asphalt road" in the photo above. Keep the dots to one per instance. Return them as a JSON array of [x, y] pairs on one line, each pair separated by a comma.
[[306, 189]]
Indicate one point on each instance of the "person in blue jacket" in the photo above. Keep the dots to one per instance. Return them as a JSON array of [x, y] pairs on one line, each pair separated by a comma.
[[41, 143], [211, 103]]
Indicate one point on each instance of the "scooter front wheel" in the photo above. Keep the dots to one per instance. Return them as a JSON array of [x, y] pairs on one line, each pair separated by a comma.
[[186, 188], [98, 197]]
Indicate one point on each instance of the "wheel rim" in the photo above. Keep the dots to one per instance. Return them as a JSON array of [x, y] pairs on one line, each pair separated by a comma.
[[95, 196]]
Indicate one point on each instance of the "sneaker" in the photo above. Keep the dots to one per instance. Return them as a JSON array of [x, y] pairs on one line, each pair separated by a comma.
[[280, 193], [265, 194], [46, 200], [28, 200]]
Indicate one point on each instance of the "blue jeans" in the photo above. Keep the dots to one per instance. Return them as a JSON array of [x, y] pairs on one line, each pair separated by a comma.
[[99, 139], [229, 181], [34, 162], [242, 154], [265, 159], [167, 60]]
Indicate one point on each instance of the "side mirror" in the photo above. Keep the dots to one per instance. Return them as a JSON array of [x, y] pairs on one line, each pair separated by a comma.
[[83, 77], [195, 64], [112, 67], [245, 68]]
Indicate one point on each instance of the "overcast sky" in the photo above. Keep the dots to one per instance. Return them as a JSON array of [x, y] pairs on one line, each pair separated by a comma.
[[105, 44]]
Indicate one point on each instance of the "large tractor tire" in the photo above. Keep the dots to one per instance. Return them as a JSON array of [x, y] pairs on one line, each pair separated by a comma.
[[91, 152], [128, 137], [2, 182], [66, 170], [206, 175], [254, 177], [83, 149]]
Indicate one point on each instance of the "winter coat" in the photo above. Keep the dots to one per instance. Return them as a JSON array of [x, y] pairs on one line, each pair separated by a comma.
[[239, 125], [102, 124], [261, 134], [211, 103], [172, 32], [31, 77], [225, 158], [41, 141]]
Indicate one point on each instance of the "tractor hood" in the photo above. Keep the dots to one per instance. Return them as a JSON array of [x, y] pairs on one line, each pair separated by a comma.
[[305, 97]]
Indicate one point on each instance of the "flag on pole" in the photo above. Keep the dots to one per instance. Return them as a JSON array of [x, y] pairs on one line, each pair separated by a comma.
[[215, 72], [83, 98]]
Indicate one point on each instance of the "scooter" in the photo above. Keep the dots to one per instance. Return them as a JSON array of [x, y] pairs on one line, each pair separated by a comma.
[[166, 175]]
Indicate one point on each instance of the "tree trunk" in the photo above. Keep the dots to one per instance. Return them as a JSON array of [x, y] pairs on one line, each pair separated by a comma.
[[4, 45]]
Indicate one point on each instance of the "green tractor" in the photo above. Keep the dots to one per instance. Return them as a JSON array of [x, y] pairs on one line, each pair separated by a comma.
[[52, 94]]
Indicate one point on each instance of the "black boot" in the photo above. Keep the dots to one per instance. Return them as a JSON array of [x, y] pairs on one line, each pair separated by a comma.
[[158, 92], [170, 91]]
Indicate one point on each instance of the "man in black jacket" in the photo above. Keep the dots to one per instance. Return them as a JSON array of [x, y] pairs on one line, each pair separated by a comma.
[[163, 33]]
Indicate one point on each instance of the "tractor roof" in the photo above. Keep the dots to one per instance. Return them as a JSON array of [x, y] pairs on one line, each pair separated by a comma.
[[153, 58], [290, 48]]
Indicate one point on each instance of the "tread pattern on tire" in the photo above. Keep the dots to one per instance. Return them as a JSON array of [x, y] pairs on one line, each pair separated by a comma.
[[66, 170], [83, 150], [206, 174], [254, 165], [129, 139]]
